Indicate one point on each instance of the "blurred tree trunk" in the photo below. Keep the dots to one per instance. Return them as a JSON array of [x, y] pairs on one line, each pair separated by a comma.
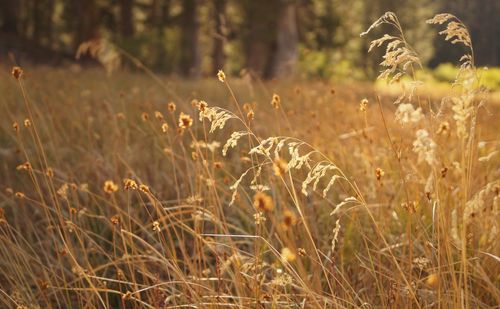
[[159, 16], [190, 57], [287, 41], [260, 35], [10, 15], [218, 56], [87, 23], [42, 21], [126, 18], [484, 24]]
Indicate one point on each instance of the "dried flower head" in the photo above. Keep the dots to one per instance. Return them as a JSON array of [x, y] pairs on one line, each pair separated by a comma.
[[144, 188], [185, 121], [250, 115], [379, 173], [164, 127], [27, 123], [263, 202], [145, 116], [20, 195], [49, 172], [26, 166], [159, 116], [432, 280], [156, 226], [280, 167], [444, 128], [15, 126], [302, 252], [289, 219], [129, 184], [171, 107], [110, 187], [201, 105], [287, 255], [363, 105], [276, 101], [115, 219], [17, 72], [221, 76]]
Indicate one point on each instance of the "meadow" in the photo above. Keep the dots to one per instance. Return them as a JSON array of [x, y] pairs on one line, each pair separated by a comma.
[[136, 190]]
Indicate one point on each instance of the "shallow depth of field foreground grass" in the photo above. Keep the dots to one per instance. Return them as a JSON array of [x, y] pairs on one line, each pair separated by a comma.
[[145, 192]]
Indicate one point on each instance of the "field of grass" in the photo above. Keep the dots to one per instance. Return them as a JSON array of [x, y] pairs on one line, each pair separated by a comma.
[[137, 191]]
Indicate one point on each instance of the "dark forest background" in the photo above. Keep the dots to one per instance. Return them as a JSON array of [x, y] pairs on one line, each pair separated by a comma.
[[268, 38]]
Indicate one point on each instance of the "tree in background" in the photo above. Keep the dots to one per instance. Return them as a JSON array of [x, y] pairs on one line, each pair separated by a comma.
[[219, 36], [286, 54], [270, 38], [190, 62]]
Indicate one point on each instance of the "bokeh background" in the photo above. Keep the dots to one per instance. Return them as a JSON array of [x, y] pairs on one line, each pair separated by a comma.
[[267, 38]]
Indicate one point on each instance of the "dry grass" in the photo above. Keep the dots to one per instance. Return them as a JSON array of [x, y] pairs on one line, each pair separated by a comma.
[[284, 196]]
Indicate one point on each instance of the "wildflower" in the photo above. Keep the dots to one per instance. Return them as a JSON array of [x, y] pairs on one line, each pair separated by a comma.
[[363, 105], [280, 167], [221, 76], [287, 255], [379, 173], [17, 72], [110, 187], [276, 101], [406, 113], [164, 127], [171, 107], [185, 121], [263, 202], [129, 184], [27, 123]]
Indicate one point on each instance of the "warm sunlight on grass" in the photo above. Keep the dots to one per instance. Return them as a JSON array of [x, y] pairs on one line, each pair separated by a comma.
[[135, 190]]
